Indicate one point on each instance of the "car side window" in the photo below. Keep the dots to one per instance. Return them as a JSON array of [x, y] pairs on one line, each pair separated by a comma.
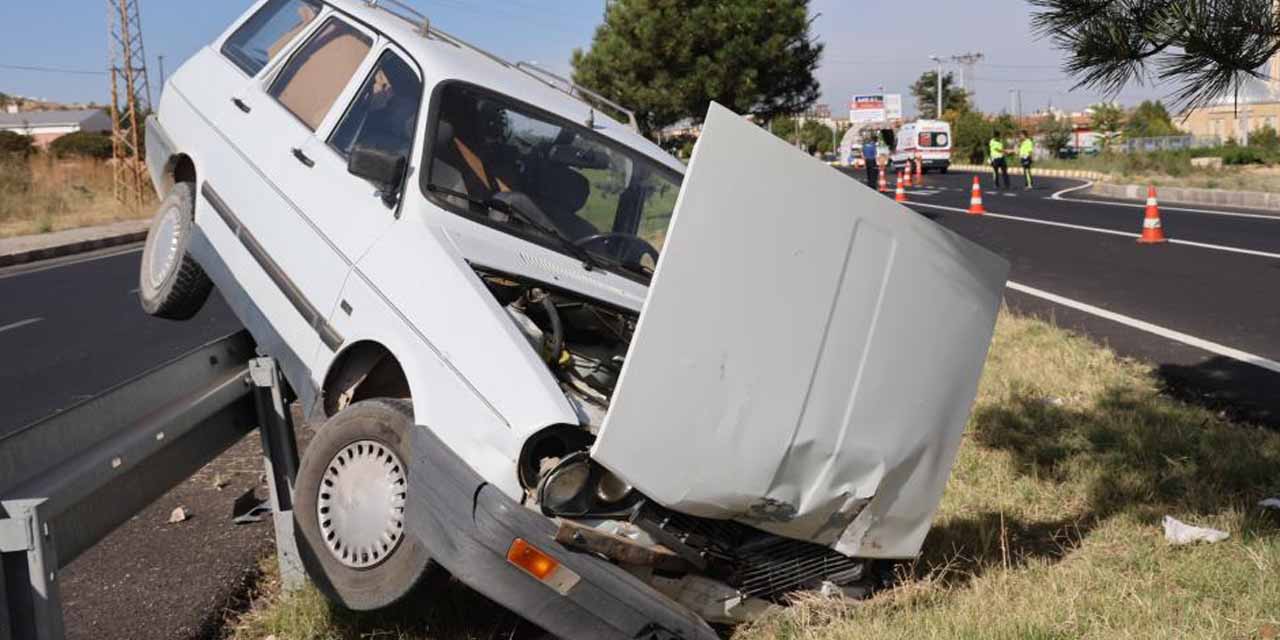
[[265, 34], [385, 112], [311, 82]]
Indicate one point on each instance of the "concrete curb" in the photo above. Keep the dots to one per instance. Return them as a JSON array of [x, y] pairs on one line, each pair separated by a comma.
[[26, 249], [1266, 203]]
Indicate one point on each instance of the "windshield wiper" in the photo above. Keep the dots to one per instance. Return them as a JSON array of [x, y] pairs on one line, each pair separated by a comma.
[[589, 260]]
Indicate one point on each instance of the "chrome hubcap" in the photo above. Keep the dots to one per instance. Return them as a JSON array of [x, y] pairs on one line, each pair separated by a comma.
[[164, 253], [361, 504]]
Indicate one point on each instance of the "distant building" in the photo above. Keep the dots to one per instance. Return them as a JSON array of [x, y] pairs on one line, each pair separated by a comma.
[[47, 126], [1225, 117]]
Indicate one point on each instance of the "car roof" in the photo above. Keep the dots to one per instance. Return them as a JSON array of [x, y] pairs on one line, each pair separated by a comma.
[[445, 58]]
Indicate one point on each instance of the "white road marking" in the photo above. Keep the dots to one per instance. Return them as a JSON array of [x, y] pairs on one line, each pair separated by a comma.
[[1234, 214], [1141, 325], [20, 323], [22, 272], [1189, 243]]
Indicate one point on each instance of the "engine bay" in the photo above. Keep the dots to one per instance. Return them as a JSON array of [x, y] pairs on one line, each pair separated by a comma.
[[738, 569]]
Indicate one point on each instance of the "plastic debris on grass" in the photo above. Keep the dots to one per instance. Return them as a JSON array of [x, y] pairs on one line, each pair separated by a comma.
[[1270, 503], [1180, 533]]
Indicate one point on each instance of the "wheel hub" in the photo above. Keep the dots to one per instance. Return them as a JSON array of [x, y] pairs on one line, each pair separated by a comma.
[[360, 505], [164, 253]]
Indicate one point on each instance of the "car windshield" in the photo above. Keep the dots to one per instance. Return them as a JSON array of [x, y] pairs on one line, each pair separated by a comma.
[[550, 181]]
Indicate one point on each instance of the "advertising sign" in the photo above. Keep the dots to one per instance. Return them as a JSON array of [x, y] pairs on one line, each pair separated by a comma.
[[875, 107]]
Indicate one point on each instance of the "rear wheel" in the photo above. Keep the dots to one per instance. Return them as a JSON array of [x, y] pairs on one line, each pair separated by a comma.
[[350, 502], [170, 283]]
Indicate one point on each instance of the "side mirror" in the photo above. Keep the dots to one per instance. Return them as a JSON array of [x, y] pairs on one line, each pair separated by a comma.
[[383, 169]]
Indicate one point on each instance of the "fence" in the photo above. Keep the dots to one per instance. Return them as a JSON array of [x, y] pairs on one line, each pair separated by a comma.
[[1166, 143]]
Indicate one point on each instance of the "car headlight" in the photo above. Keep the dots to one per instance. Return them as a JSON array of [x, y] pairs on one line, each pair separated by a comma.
[[563, 485]]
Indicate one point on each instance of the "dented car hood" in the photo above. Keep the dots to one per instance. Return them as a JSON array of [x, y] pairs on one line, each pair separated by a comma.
[[807, 355]]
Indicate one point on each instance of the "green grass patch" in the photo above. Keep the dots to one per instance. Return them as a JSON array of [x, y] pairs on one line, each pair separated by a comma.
[[1050, 527]]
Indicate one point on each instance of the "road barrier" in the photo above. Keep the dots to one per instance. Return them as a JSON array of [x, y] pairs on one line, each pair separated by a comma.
[[68, 481]]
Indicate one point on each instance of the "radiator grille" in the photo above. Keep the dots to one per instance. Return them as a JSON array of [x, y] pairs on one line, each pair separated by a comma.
[[763, 565]]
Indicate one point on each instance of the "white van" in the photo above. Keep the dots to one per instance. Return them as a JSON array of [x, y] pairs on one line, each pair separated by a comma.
[[930, 139]]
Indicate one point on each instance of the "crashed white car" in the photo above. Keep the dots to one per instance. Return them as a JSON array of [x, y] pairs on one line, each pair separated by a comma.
[[619, 397]]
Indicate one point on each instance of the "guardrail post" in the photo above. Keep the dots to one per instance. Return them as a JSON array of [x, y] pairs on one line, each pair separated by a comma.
[[280, 457], [30, 605]]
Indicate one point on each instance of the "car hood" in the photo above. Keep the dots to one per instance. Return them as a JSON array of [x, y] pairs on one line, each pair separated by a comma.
[[807, 354]]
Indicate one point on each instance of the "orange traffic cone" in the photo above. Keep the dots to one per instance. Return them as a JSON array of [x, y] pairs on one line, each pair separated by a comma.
[[908, 173], [1152, 232], [884, 184], [920, 172], [901, 194], [975, 198]]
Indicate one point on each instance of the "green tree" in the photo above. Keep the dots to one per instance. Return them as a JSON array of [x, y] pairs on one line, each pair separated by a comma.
[[925, 91], [1107, 121], [970, 132], [1150, 120], [14, 144], [83, 144], [1006, 127], [1266, 139], [1056, 133], [1203, 47], [668, 59]]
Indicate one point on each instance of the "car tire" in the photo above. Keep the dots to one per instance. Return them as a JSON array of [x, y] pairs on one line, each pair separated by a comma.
[[171, 284], [345, 508]]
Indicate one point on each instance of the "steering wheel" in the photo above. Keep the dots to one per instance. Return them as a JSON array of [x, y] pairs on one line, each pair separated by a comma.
[[626, 248]]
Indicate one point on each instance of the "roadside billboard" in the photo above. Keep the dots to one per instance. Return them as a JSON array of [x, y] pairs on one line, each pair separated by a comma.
[[875, 107]]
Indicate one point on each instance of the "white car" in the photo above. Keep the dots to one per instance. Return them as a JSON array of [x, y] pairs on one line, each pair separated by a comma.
[[453, 259]]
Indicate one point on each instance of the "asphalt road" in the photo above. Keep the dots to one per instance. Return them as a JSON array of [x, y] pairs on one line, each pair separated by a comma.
[[70, 329], [1215, 282]]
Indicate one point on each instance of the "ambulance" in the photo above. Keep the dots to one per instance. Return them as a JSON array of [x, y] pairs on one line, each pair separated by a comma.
[[929, 140]]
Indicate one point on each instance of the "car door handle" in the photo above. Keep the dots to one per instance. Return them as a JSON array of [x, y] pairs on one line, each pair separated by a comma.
[[302, 157], [241, 105]]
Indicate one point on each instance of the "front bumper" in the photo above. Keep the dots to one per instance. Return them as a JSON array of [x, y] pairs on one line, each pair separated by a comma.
[[468, 525]]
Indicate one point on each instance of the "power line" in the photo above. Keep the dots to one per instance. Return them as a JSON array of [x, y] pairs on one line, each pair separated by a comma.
[[38, 69]]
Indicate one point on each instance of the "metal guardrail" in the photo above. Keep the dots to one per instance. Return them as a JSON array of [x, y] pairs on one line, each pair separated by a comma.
[[68, 481]]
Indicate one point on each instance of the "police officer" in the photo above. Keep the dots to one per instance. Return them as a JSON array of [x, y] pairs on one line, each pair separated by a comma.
[[1025, 150], [869, 156], [999, 166]]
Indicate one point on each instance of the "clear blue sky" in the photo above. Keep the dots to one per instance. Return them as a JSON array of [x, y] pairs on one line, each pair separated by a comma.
[[869, 44]]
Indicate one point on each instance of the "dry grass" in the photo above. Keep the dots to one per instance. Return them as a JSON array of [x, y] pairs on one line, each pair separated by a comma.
[[44, 194], [1050, 527]]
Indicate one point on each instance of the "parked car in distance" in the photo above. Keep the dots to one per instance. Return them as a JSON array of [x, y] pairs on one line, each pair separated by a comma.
[[449, 255]]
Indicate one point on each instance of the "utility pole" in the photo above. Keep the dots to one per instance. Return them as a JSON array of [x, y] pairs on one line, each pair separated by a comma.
[[938, 114], [130, 99], [966, 62], [161, 73]]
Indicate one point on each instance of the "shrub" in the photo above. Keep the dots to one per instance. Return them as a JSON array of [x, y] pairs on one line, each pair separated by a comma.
[[15, 144], [1266, 138], [83, 144], [1236, 155]]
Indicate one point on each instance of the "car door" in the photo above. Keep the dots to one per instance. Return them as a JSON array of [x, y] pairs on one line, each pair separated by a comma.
[[252, 232], [381, 115], [285, 110]]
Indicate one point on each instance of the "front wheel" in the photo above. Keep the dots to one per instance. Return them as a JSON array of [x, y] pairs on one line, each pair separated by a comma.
[[350, 500], [170, 283]]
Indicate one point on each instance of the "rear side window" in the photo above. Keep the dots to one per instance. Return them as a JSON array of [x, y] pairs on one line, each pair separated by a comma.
[[934, 139], [257, 41], [309, 85], [384, 113]]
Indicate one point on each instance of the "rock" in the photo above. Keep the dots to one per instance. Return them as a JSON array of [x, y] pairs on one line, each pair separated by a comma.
[[1270, 503], [178, 515], [1179, 533]]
